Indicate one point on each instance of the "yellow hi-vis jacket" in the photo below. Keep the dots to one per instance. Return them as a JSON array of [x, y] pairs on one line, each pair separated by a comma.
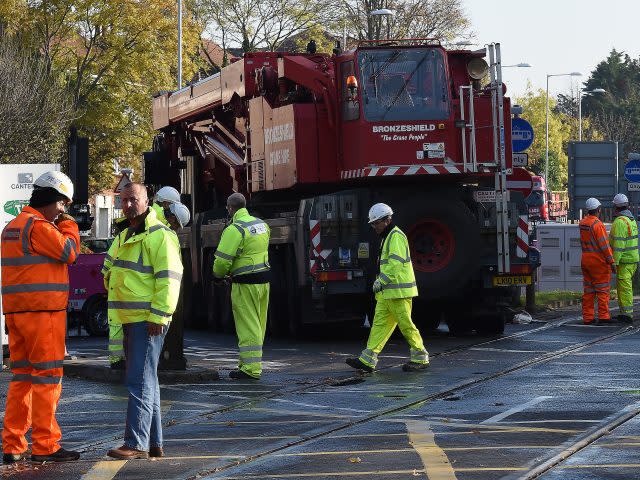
[[160, 214], [396, 271], [623, 238], [244, 247], [142, 274]]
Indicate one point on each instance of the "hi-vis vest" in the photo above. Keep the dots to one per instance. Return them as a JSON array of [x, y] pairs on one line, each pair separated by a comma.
[[623, 238], [396, 271], [142, 274], [35, 254], [244, 247], [593, 239]]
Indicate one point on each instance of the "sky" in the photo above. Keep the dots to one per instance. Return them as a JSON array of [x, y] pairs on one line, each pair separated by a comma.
[[554, 36]]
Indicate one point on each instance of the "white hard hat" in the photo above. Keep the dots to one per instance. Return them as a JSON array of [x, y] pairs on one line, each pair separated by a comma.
[[379, 211], [181, 212], [620, 200], [168, 194], [58, 181], [592, 203]]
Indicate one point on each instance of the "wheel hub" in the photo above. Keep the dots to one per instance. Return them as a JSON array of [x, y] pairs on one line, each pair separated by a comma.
[[432, 245]]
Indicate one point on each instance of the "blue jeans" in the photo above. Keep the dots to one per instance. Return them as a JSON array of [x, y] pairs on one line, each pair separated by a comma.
[[142, 353]]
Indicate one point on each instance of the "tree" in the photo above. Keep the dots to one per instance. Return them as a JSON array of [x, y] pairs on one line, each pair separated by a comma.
[[616, 113], [35, 110], [112, 55], [444, 20], [534, 105], [256, 24]]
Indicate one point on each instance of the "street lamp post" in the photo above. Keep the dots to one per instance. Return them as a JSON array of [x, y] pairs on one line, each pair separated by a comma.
[[586, 92], [383, 12], [546, 142], [179, 44]]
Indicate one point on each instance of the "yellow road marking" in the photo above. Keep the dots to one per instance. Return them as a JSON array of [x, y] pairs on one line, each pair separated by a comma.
[[104, 470], [434, 459], [370, 473], [402, 450]]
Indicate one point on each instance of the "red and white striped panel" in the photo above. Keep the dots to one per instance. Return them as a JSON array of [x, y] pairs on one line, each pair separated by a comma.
[[401, 170], [522, 237], [318, 252]]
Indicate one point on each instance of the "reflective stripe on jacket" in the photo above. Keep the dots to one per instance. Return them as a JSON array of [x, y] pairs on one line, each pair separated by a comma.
[[142, 274], [623, 238], [396, 271], [35, 254], [244, 247], [594, 241]]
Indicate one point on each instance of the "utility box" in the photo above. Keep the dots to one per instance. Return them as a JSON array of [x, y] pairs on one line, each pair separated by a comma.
[[560, 255]]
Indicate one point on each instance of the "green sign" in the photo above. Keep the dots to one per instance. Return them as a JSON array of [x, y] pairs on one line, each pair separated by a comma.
[[14, 207]]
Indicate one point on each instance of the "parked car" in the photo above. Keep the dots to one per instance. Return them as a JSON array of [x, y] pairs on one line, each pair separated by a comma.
[[87, 295]]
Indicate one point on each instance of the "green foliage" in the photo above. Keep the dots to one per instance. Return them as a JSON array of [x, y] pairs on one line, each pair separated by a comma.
[[112, 56], [616, 113], [534, 105]]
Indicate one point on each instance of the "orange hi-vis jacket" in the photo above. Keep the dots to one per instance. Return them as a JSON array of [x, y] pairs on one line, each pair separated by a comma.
[[35, 254], [594, 241]]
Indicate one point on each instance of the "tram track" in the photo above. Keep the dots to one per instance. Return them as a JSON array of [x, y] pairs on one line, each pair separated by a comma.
[[444, 393]]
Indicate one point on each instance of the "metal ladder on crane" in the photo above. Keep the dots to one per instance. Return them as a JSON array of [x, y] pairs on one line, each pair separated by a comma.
[[497, 114]]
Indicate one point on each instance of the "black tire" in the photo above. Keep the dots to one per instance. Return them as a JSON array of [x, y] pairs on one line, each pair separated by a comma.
[[95, 317], [424, 316], [444, 236], [490, 325]]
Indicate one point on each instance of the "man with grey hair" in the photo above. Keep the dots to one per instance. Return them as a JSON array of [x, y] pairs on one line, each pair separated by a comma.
[[243, 255], [142, 274]]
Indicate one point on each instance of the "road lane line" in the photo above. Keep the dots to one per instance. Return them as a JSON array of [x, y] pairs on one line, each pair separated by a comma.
[[436, 463], [516, 409], [104, 470], [370, 473]]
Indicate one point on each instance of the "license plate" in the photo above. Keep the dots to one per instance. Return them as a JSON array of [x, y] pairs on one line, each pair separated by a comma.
[[508, 280]]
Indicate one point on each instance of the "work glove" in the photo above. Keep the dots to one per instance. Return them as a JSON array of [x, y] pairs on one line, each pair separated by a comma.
[[220, 281], [377, 286]]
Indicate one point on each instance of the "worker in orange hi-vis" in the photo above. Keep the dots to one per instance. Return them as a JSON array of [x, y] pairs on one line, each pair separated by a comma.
[[36, 248], [597, 264]]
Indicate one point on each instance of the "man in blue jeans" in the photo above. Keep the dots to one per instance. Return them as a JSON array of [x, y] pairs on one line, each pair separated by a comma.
[[142, 274]]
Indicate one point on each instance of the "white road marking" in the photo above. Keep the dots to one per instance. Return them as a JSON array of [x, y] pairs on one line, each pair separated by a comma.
[[516, 409]]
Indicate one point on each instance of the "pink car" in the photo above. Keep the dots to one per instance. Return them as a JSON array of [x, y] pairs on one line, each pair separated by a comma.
[[87, 295]]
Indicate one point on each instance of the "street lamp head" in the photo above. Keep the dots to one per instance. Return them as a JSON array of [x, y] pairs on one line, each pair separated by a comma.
[[382, 11], [523, 65], [575, 74], [598, 90]]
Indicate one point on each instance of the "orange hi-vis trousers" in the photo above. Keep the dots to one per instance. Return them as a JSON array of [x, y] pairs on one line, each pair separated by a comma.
[[596, 278], [36, 344]]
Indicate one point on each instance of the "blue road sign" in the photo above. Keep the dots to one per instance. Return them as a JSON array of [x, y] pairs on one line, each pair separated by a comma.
[[521, 134], [632, 171]]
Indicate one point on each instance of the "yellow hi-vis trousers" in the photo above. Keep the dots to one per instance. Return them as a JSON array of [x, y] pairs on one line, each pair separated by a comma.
[[116, 338], [249, 303], [388, 314], [624, 274]]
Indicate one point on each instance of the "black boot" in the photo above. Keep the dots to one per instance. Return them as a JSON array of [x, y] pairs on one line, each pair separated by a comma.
[[12, 457], [240, 375], [358, 365], [61, 455], [414, 366], [119, 365]]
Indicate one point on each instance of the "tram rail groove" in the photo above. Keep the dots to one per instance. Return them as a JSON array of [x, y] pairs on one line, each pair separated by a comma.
[[590, 437]]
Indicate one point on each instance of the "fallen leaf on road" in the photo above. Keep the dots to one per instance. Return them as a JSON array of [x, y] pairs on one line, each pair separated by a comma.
[[230, 423], [355, 459]]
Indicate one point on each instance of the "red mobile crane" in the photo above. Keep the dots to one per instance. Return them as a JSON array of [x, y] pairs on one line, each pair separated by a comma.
[[315, 139]]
